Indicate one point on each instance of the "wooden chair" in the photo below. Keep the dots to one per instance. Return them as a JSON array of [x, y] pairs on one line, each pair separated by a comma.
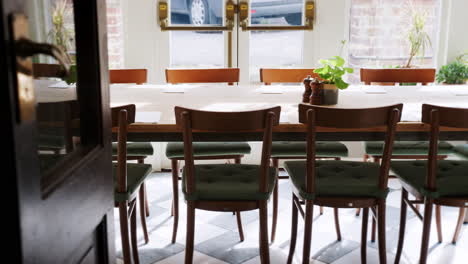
[[227, 187], [392, 76], [341, 184], [203, 150], [269, 76], [55, 139], [128, 181], [138, 151], [433, 181], [297, 150], [401, 149], [461, 150], [138, 76], [226, 75]]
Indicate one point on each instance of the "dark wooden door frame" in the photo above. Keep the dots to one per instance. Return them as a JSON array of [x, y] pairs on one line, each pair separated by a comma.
[[73, 222]]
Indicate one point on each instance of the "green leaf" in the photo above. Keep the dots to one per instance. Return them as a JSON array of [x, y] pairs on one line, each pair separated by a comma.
[[340, 84], [339, 61], [72, 77], [323, 62], [349, 70]]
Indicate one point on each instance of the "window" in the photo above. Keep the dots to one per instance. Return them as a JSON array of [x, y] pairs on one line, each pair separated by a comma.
[[378, 32], [42, 32]]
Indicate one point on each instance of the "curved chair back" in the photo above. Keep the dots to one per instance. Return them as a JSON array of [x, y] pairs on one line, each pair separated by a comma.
[[316, 116], [437, 116], [423, 76], [122, 116], [269, 76], [138, 76], [190, 120], [47, 70], [223, 75]]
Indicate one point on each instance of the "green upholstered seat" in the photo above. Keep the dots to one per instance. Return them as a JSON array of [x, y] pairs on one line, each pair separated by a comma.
[[136, 175], [51, 141], [135, 149], [298, 149], [407, 148], [47, 161], [451, 179], [337, 179], [462, 150], [176, 149], [229, 182]]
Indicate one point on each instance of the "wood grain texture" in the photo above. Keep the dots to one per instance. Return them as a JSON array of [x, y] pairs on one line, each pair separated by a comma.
[[424, 76], [224, 75], [138, 76], [269, 76]]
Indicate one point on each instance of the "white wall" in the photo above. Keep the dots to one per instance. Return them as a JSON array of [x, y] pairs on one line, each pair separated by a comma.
[[458, 29]]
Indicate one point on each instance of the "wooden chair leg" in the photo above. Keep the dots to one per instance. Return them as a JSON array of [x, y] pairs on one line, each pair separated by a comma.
[[365, 219], [275, 204], [381, 231], [373, 230], [358, 211], [124, 232], [426, 230], [175, 200], [133, 232], [147, 211], [401, 233], [238, 214], [239, 226], [337, 224], [190, 232], [292, 243], [438, 223], [366, 158], [264, 250], [308, 221], [141, 199], [461, 217], [275, 212]]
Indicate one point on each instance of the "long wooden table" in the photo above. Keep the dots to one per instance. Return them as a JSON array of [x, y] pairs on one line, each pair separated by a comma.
[[159, 101]]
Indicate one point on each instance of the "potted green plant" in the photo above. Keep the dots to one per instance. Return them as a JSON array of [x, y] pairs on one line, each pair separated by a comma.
[[59, 34], [62, 36], [331, 73], [418, 38], [455, 72]]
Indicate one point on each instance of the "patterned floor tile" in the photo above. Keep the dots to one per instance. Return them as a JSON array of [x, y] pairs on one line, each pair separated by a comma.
[[217, 238]]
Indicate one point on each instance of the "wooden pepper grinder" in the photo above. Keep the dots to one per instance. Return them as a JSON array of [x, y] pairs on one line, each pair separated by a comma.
[[307, 89], [317, 92]]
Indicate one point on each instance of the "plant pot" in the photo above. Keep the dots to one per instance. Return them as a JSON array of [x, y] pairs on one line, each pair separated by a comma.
[[330, 94]]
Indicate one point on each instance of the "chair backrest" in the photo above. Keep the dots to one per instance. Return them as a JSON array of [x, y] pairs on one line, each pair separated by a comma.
[[47, 70], [437, 116], [269, 76], [423, 76], [223, 75], [122, 116], [234, 122], [138, 76], [315, 116]]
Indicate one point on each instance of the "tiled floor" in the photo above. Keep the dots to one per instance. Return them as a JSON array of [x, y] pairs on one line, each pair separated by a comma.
[[217, 240]]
